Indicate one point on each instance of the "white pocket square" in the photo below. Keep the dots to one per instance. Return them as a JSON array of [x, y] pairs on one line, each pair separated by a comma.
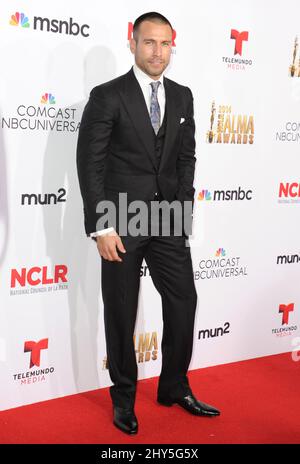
[[182, 120]]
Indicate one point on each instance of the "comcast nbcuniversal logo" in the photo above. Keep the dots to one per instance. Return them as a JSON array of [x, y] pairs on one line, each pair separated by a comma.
[[43, 116], [58, 26], [219, 266]]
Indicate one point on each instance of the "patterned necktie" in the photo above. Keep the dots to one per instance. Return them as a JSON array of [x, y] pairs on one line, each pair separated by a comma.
[[154, 107]]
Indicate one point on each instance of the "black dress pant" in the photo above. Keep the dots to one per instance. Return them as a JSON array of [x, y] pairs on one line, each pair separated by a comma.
[[169, 262]]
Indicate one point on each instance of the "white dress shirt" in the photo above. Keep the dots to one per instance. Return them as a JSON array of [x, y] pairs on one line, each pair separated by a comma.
[[144, 80]]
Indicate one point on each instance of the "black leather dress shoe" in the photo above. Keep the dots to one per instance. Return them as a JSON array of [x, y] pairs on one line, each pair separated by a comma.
[[125, 420], [192, 405]]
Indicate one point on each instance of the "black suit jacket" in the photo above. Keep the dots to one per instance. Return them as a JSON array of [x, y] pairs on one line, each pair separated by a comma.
[[116, 146]]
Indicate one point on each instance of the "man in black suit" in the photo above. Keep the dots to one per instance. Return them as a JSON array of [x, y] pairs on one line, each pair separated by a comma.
[[137, 137]]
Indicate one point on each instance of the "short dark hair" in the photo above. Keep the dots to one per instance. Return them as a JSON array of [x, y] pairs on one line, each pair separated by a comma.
[[151, 16]]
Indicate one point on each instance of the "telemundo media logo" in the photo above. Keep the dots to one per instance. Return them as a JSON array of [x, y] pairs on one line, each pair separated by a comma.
[[286, 329], [57, 26], [34, 375]]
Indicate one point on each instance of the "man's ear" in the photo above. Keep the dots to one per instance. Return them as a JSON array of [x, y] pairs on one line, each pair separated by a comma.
[[132, 44]]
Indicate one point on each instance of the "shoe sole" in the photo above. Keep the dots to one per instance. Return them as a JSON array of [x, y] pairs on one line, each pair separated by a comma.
[[170, 403], [129, 432]]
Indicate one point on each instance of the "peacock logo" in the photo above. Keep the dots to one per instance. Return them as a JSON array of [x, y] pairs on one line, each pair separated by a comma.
[[48, 98], [220, 252], [204, 195], [19, 19]]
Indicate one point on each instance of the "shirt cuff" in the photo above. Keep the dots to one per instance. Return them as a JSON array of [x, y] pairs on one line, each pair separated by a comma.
[[102, 232]]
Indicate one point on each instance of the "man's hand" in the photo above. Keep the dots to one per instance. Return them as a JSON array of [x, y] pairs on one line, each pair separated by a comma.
[[108, 244]]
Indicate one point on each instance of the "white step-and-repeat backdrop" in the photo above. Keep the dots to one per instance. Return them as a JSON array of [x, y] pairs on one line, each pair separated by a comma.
[[241, 59]]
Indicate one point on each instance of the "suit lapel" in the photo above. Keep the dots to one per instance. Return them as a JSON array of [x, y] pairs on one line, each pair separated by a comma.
[[173, 110], [134, 100], [136, 106]]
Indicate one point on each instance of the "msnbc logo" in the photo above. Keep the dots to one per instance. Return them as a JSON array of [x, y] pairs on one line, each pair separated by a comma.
[[19, 19], [48, 98], [204, 195], [58, 26], [220, 252]]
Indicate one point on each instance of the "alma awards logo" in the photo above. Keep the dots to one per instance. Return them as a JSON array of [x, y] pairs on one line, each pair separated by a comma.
[[228, 127], [294, 69], [145, 346]]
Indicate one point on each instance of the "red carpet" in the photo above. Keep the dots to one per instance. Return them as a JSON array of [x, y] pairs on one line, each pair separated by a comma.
[[259, 401]]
